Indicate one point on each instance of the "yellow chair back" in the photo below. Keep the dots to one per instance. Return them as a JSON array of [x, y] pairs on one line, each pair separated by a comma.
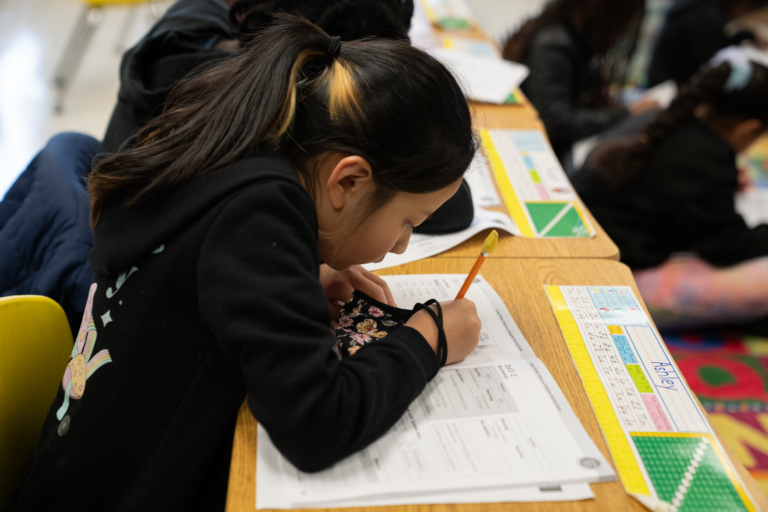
[[35, 346]]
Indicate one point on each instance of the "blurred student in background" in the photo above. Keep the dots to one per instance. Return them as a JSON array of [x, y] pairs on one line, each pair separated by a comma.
[[299, 150], [576, 49], [195, 32], [671, 190], [693, 32]]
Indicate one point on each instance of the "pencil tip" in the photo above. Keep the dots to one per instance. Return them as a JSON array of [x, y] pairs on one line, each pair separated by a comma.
[[490, 242]]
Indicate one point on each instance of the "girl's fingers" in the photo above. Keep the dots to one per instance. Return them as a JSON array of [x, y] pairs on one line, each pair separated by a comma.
[[370, 288], [384, 286]]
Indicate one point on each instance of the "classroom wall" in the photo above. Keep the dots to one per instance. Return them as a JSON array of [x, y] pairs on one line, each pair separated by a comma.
[[497, 17]]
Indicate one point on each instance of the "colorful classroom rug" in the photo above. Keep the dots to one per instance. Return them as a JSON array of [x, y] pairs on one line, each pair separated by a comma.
[[729, 373]]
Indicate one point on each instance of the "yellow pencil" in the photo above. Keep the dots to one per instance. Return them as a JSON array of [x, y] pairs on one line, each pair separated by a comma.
[[488, 246]]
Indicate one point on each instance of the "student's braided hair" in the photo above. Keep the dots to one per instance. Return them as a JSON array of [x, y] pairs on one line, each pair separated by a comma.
[[621, 162], [348, 19]]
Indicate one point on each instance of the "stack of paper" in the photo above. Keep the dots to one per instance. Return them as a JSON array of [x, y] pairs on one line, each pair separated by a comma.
[[495, 427], [485, 78]]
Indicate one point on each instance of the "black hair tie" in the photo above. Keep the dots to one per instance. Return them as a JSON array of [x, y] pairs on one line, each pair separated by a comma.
[[442, 343], [333, 50]]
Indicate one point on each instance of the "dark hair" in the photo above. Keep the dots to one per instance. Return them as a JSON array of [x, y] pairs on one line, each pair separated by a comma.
[[381, 99], [348, 19], [611, 27], [621, 162]]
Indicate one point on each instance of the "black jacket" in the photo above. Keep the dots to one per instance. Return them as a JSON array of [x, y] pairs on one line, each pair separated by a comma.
[[202, 297], [694, 31], [682, 202], [179, 42], [559, 87]]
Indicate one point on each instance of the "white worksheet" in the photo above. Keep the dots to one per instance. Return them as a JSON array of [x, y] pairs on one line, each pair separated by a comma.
[[752, 204], [481, 183], [499, 334], [424, 246], [481, 429]]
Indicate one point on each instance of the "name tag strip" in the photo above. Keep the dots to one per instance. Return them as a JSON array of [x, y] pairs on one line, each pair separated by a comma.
[[661, 441]]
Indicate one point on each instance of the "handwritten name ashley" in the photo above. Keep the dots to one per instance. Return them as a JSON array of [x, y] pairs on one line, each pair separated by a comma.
[[667, 375]]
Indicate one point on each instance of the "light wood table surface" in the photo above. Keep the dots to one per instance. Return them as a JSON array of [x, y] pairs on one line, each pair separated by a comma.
[[520, 283]]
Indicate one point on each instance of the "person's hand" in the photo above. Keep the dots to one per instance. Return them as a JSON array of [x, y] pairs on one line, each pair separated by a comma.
[[744, 181], [760, 42], [460, 323], [340, 285], [640, 106]]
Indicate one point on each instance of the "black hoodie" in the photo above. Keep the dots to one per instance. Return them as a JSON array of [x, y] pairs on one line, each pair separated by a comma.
[[200, 297], [683, 201], [179, 42]]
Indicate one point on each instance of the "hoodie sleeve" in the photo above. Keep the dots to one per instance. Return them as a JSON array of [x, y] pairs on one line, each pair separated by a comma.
[[260, 296]]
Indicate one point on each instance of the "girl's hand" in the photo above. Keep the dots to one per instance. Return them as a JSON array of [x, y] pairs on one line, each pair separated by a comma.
[[460, 323], [340, 285], [641, 105]]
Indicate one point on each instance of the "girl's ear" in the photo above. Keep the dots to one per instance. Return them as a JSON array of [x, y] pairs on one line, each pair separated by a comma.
[[745, 133], [350, 179]]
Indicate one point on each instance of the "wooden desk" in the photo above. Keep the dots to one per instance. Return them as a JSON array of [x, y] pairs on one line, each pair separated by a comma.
[[519, 282]]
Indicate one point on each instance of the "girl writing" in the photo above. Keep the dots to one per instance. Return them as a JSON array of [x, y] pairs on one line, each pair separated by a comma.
[[221, 236]]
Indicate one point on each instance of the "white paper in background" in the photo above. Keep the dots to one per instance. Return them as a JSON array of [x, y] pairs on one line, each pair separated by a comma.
[[582, 149], [481, 182], [424, 246], [752, 204], [485, 78], [663, 94], [420, 24], [456, 9]]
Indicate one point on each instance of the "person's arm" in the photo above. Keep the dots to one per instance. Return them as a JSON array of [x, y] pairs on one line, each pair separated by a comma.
[[551, 87], [259, 294], [703, 194]]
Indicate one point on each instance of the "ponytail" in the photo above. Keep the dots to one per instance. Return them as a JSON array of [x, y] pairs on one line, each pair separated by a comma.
[[620, 163], [296, 90]]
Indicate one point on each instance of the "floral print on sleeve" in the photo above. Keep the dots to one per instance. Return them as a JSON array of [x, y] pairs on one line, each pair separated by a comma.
[[364, 320]]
